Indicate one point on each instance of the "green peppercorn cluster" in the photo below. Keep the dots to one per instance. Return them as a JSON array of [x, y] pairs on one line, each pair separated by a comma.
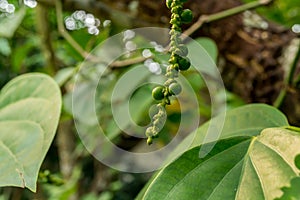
[[178, 62]]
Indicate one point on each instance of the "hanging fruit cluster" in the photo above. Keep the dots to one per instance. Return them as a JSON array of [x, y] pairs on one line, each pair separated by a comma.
[[178, 62]]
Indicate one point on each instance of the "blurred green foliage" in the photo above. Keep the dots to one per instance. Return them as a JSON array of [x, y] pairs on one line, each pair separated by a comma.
[[21, 52], [284, 12]]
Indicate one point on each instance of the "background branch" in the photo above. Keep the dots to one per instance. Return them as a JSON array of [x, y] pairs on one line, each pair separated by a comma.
[[43, 28], [288, 83], [64, 33], [223, 14]]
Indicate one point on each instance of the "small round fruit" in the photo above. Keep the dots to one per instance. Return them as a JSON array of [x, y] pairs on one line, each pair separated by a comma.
[[186, 16], [158, 93], [159, 124], [149, 132], [149, 141], [182, 50], [184, 63], [169, 3], [175, 88], [173, 60], [176, 9], [153, 110], [175, 22]]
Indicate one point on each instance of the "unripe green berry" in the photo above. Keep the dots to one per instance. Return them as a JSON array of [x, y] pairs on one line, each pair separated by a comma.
[[149, 132], [162, 114], [186, 16], [176, 63], [172, 32], [156, 122], [182, 50], [169, 3], [176, 27], [153, 111], [149, 140], [172, 60], [155, 130], [173, 21], [170, 81], [176, 16], [167, 101], [184, 63], [178, 39], [158, 93], [176, 9], [168, 74], [175, 67], [175, 88], [159, 124], [160, 107]]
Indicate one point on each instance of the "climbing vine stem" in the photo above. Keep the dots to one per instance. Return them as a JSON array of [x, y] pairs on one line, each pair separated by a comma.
[[178, 61]]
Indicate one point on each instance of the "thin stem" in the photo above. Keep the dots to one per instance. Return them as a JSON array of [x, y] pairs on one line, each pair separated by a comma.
[[289, 81], [64, 33], [127, 62], [223, 14], [294, 66], [277, 103], [43, 28], [293, 128]]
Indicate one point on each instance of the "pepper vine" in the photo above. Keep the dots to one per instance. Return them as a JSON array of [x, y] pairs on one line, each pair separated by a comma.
[[178, 62]]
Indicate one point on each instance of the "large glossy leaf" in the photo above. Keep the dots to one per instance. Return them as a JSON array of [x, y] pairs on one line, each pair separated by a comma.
[[29, 112], [17, 150], [237, 168], [247, 120]]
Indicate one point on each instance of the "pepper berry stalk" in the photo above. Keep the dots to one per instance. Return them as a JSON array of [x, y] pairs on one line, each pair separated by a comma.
[[178, 62]]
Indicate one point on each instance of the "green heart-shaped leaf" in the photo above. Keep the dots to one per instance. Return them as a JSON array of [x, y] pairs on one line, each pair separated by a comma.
[[29, 113], [237, 168], [248, 120]]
